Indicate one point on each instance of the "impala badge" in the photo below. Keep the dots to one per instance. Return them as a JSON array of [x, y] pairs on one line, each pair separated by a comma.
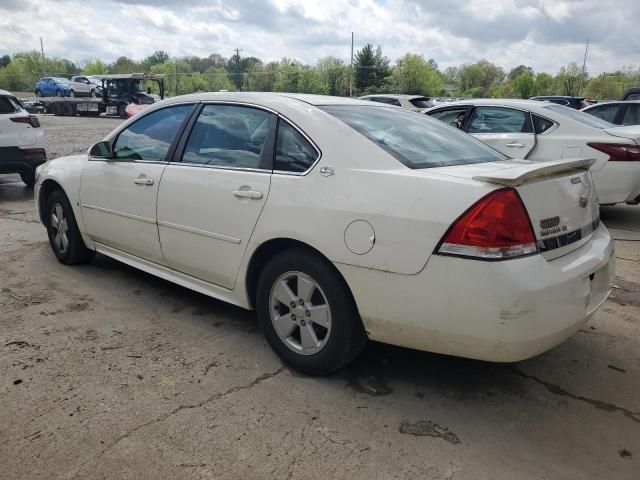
[[549, 222]]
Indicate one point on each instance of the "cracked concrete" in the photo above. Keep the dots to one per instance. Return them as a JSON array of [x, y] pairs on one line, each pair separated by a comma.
[[110, 373]]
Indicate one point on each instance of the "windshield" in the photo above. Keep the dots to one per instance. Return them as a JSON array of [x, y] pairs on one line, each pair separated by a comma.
[[414, 139], [579, 116], [60, 80]]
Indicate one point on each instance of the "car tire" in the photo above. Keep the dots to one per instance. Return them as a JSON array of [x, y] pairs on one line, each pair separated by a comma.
[[59, 93], [72, 93], [334, 334], [29, 178], [64, 236], [93, 93], [38, 93]]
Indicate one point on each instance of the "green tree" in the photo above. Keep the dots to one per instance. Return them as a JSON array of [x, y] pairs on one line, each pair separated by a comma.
[[414, 75], [604, 87], [334, 76], [124, 65], [472, 77], [570, 80], [524, 84], [95, 67], [218, 79], [371, 69], [543, 84], [519, 70]]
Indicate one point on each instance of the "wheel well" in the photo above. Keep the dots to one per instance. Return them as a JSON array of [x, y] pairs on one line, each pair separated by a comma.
[[47, 188], [265, 252]]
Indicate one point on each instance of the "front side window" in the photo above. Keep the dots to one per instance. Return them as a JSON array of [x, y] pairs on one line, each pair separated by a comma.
[[632, 115], [605, 112], [230, 136], [293, 152], [150, 137], [417, 141], [499, 120], [454, 117], [579, 116]]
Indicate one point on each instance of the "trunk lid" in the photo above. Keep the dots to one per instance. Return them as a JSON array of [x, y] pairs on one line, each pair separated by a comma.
[[559, 197], [632, 132]]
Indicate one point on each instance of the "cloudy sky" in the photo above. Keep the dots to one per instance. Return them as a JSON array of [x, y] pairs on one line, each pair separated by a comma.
[[541, 33]]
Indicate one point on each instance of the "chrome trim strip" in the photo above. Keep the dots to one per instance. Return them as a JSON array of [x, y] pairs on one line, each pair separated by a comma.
[[197, 231], [218, 167], [120, 214]]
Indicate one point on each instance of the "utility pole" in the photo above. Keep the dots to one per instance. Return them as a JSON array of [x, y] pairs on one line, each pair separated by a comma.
[[239, 79], [42, 51], [584, 65], [351, 69]]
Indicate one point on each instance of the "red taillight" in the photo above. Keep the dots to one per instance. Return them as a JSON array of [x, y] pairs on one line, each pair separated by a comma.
[[496, 227], [30, 119], [618, 152]]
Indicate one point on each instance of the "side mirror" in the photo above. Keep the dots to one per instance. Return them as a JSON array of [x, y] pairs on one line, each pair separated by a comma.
[[101, 150]]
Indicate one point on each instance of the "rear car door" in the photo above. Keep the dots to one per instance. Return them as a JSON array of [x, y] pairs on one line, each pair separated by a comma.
[[211, 197], [118, 195], [506, 129]]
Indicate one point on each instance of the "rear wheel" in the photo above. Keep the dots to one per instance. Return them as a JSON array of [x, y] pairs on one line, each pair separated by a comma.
[[307, 313], [59, 93], [62, 229], [29, 178]]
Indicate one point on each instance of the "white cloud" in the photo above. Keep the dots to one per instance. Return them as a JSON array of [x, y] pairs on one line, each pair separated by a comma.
[[544, 34]]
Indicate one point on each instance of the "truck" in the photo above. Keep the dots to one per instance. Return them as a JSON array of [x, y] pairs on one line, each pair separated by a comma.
[[118, 91]]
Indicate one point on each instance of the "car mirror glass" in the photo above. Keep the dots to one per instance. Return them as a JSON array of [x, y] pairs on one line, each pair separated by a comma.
[[101, 150]]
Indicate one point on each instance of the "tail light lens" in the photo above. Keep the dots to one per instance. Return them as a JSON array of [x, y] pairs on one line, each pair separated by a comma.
[[496, 227], [30, 119], [618, 152]]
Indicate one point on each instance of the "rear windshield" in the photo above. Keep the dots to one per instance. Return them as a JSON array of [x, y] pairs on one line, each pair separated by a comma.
[[579, 116], [421, 102], [414, 139]]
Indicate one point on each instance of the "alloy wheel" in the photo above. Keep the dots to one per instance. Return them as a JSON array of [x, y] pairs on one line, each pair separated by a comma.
[[60, 228], [300, 313]]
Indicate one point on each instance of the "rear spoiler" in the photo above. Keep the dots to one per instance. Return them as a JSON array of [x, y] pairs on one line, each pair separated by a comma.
[[518, 174]]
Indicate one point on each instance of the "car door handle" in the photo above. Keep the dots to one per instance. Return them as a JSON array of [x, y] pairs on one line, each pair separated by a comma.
[[515, 145], [143, 181], [252, 194]]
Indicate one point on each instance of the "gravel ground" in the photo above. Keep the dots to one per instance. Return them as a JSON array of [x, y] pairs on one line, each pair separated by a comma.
[[108, 372]]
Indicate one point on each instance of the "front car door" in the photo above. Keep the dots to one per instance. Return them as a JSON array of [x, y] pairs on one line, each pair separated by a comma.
[[118, 195], [506, 129], [454, 116], [211, 197]]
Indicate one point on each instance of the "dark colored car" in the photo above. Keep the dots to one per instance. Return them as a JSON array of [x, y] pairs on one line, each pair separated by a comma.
[[631, 94], [574, 102], [619, 113]]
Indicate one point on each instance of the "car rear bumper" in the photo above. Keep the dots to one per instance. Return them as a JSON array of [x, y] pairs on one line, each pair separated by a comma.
[[495, 311], [18, 160]]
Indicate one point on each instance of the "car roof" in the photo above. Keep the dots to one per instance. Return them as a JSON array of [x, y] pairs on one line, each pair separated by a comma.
[[394, 95], [273, 98], [513, 102]]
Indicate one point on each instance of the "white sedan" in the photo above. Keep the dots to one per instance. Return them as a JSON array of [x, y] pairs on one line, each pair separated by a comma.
[[543, 131], [339, 220]]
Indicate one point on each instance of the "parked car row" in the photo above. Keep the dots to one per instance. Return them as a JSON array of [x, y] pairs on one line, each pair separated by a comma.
[[78, 86], [342, 220]]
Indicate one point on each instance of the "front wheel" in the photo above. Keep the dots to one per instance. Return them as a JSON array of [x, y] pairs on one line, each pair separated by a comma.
[[59, 93], [72, 93], [93, 93], [62, 229], [307, 313], [38, 93]]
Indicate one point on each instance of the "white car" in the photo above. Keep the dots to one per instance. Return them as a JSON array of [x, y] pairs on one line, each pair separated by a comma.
[[339, 220], [543, 131], [414, 103], [85, 86], [22, 141]]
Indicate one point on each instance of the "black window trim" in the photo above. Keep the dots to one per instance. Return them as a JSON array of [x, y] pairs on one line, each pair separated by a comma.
[[176, 158], [548, 130]]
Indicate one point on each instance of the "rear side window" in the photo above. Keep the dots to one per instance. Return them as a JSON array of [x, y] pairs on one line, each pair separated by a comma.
[[499, 120], [293, 152], [632, 115], [541, 125], [150, 137], [415, 140], [8, 105], [420, 102], [605, 112]]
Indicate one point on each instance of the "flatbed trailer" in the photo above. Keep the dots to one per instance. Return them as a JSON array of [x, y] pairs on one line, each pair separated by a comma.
[[117, 92]]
